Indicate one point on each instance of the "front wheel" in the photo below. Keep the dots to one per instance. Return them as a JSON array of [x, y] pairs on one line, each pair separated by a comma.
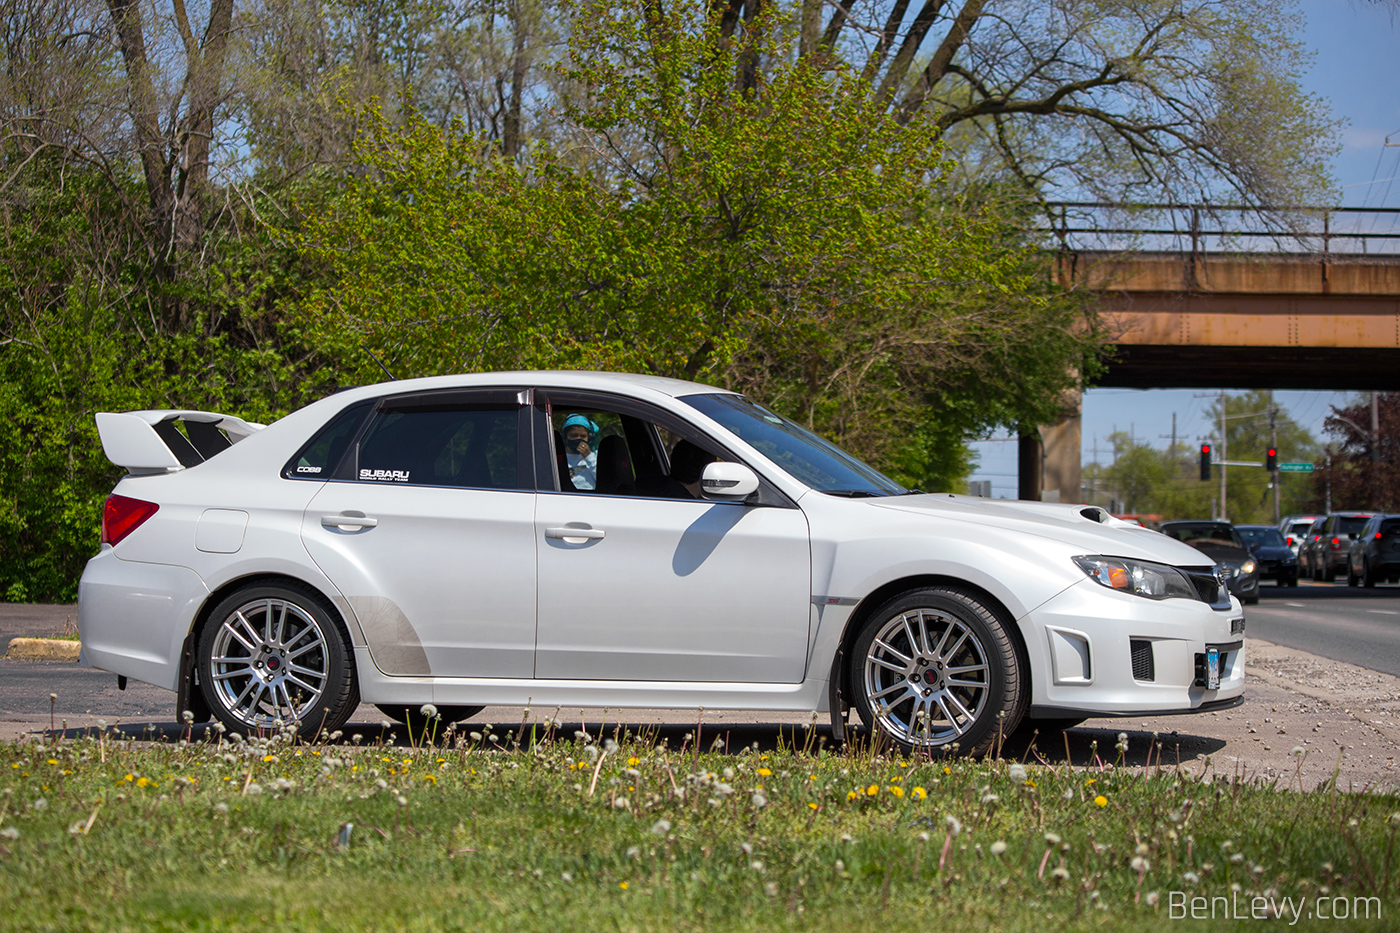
[[273, 655], [1368, 576], [935, 667]]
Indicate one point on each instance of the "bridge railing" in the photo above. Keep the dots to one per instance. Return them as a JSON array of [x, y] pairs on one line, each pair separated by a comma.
[[1094, 226]]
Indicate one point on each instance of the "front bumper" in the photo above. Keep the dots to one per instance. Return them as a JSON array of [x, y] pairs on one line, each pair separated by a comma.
[[1096, 652]]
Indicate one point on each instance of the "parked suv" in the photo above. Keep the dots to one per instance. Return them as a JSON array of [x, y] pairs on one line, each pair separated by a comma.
[[1221, 543], [1375, 554], [1275, 558], [1330, 543]]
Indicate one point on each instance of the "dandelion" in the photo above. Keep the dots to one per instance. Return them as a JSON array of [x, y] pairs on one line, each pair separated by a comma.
[[896, 790], [756, 865], [1191, 877], [401, 800], [566, 877], [635, 852], [10, 833], [252, 790], [1017, 774], [990, 798], [771, 889], [622, 885], [221, 808], [621, 803], [428, 711], [851, 795], [1060, 873], [661, 827], [381, 783], [923, 837], [1122, 745], [919, 793], [1100, 801], [1298, 751], [40, 804], [633, 762], [1152, 898], [764, 772], [954, 827], [1052, 838], [872, 790], [998, 847], [1139, 864], [759, 800]]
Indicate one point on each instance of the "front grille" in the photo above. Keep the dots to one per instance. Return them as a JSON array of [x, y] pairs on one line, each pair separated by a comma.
[[1144, 666], [1208, 586]]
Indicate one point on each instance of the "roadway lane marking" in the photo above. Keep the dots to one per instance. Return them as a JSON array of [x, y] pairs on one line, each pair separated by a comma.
[[1384, 612], [1296, 605]]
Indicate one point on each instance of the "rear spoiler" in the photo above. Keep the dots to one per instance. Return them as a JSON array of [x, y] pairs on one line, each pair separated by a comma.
[[150, 441]]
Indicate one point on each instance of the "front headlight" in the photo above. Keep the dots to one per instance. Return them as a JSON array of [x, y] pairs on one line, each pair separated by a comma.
[[1248, 567], [1153, 581]]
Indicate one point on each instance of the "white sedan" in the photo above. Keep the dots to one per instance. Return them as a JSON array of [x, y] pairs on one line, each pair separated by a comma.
[[602, 540]]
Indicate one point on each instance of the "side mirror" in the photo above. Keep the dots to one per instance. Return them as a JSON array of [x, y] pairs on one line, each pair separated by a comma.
[[728, 481]]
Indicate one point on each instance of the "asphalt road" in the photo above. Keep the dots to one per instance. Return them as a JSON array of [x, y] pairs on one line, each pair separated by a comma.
[[1353, 624]]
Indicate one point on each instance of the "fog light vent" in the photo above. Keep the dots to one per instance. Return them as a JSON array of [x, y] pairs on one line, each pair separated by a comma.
[[1237, 626], [1144, 668]]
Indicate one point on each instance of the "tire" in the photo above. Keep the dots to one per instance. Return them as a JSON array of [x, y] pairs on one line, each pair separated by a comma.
[[1329, 573], [419, 726], [1368, 579], [1288, 580], [1043, 728], [950, 631], [272, 654], [1352, 578]]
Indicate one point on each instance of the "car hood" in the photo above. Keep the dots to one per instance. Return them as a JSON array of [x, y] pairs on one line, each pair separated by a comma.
[[1279, 552], [1224, 552], [1085, 527]]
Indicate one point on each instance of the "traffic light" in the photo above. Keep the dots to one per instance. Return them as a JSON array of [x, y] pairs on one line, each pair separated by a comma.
[[1271, 460], [1205, 461]]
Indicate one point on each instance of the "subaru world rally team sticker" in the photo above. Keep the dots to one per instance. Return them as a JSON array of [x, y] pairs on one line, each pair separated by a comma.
[[385, 476]]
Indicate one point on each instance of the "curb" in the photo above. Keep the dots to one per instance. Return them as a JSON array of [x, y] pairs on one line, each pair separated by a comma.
[[43, 649]]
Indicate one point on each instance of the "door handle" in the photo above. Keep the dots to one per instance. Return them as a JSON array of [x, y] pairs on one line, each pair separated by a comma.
[[348, 521], [574, 535]]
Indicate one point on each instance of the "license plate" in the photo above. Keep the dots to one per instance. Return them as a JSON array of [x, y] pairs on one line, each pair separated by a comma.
[[1212, 668]]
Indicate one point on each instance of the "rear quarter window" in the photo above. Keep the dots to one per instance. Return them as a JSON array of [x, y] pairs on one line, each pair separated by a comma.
[[328, 446]]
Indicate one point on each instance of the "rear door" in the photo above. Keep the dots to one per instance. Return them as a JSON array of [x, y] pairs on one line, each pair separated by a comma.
[[427, 530]]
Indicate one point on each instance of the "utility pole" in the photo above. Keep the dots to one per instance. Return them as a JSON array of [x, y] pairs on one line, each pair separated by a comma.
[[1224, 455], [1273, 444]]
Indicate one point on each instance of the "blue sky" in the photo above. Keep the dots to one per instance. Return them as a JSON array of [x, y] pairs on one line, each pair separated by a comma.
[[1357, 71]]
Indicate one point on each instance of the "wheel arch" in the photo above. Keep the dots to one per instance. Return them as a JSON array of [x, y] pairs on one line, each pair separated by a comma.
[[188, 693], [882, 594]]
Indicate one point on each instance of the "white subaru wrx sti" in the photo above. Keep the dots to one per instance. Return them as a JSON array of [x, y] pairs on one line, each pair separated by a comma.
[[601, 540]]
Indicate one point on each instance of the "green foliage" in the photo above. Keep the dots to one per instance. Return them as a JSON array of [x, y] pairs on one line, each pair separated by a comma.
[[1348, 476], [82, 331], [795, 242]]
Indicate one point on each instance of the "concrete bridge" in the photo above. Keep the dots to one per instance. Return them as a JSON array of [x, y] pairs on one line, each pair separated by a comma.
[[1243, 320]]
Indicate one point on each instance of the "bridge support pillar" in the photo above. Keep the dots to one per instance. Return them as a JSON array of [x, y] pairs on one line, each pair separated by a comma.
[[1048, 464]]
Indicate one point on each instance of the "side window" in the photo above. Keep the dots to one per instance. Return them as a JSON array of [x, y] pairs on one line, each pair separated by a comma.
[[617, 454], [464, 446], [319, 458]]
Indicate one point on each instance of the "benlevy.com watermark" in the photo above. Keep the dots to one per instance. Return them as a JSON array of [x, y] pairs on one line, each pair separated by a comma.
[[1183, 906]]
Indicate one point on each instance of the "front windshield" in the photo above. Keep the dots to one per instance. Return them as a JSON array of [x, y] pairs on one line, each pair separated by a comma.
[[1261, 537], [807, 457]]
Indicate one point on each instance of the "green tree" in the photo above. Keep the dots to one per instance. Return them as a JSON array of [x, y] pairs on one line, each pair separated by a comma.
[[797, 242], [1362, 470]]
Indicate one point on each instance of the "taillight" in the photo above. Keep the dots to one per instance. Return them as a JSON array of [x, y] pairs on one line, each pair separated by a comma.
[[1379, 535], [1336, 543], [121, 516], [1289, 542]]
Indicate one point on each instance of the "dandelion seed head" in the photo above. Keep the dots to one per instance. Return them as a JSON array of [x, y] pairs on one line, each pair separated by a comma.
[[756, 865], [1017, 774], [621, 803], [1152, 898], [1190, 877], [758, 800], [1060, 873], [40, 804], [634, 852], [221, 808], [253, 789], [1139, 864], [661, 827], [954, 826], [998, 847], [428, 710], [401, 800]]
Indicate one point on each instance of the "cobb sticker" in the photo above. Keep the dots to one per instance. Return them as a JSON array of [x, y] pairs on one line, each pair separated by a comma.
[[385, 476]]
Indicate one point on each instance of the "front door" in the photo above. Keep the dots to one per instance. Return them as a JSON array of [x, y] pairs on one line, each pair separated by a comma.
[[640, 580]]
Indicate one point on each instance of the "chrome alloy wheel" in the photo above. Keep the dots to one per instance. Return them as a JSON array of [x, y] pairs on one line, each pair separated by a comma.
[[926, 677], [269, 662]]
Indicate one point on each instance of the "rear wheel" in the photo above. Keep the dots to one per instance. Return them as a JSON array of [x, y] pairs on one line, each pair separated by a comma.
[[1368, 578], [273, 655], [934, 668], [1352, 578]]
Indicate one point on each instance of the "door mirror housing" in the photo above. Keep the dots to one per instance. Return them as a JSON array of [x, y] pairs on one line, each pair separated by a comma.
[[728, 481]]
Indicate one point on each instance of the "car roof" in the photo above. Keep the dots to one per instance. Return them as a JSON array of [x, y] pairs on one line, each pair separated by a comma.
[[550, 378]]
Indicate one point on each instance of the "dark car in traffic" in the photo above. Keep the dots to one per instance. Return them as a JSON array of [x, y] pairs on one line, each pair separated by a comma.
[[1221, 543], [1271, 552], [1375, 554], [1329, 543]]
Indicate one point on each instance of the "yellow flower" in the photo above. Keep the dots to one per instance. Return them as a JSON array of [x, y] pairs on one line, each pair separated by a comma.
[[764, 772], [53, 761], [811, 777], [872, 790], [897, 778], [762, 757], [852, 795], [1090, 781], [947, 770], [430, 778], [633, 762], [130, 777], [813, 806], [896, 790], [1101, 801], [143, 782], [919, 793], [267, 758], [622, 885]]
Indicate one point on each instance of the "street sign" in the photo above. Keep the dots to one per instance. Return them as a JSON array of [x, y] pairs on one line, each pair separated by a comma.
[[1295, 467]]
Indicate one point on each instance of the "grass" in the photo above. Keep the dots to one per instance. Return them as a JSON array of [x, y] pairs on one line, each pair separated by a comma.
[[527, 828]]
